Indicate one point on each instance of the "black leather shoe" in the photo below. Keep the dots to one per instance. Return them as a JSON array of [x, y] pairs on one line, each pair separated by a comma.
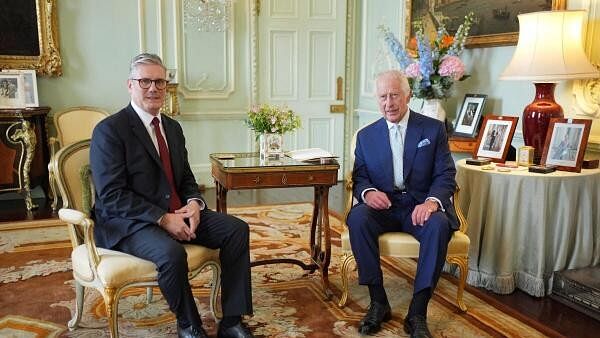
[[416, 327], [371, 322], [237, 331], [191, 332]]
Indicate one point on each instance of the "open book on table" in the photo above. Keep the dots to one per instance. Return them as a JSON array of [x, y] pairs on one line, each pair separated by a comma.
[[310, 154]]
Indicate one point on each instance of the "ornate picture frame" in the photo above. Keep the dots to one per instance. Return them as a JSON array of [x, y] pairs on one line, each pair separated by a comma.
[[505, 11], [469, 118], [566, 141], [23, 51], [495, 137]]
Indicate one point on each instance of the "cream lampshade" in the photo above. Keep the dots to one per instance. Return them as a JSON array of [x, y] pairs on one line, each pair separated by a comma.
[[549, 50]]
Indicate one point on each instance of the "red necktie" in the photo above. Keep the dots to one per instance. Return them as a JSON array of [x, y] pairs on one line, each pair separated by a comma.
[[174, 201]]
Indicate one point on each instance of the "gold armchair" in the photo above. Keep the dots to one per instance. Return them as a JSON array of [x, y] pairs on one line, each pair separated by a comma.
[[72, 125], [400, 244], [108, 271]]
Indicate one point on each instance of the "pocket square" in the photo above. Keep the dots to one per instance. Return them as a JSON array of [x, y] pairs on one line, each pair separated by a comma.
[[423, 143]]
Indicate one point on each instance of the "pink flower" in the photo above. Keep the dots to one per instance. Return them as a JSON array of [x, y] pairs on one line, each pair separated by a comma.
[[412, 70], [452, 66]]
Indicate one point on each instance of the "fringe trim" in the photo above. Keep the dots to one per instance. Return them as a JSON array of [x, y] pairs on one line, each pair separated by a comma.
[[505, 284]]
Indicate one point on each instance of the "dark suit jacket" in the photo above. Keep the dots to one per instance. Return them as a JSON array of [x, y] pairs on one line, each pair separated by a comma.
[[132, 190], [428, 166]]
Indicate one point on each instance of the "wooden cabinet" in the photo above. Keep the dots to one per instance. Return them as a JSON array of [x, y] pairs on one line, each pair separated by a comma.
[[24, 152], [462, 144]]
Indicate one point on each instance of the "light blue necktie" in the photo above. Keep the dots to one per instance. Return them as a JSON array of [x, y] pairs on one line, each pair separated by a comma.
[[397, 145]]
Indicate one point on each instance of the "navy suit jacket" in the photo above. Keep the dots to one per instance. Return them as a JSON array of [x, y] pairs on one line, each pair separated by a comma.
[[131, 186], [428, 166]]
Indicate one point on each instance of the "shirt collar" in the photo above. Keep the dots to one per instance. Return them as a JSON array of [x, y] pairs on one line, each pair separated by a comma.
[[403, 123], [144, 115]]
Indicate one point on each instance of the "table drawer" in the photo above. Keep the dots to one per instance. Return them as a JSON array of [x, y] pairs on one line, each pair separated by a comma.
[[282, 179]]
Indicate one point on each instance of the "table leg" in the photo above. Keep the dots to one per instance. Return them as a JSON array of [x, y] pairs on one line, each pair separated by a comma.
[[321, 254], [221, 198]]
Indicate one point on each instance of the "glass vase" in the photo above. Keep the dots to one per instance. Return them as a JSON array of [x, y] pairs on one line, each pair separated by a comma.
[[270, 146], [433, 108]]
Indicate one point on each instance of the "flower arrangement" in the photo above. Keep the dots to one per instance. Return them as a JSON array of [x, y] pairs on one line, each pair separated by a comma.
[[431, 67], [267, 118]]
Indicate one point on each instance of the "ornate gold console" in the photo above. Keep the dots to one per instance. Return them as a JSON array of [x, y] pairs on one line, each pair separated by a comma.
[[23, 151]]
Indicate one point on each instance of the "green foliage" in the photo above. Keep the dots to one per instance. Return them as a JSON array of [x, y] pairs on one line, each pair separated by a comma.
[[272, 119]]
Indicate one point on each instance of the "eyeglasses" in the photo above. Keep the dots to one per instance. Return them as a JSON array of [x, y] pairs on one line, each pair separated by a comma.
[[146, 83]]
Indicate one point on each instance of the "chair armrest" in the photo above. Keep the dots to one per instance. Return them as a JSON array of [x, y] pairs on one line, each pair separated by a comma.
[[53, 145], [78, 218]]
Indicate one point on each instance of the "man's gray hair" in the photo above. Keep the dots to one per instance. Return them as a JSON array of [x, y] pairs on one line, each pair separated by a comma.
[[145, 59], [397, 75]]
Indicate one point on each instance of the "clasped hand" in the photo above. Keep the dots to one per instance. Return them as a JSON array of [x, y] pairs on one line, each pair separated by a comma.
[[175, 223], [379, 200]]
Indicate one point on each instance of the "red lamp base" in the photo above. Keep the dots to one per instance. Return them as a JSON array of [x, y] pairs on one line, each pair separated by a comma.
[[537, 115]]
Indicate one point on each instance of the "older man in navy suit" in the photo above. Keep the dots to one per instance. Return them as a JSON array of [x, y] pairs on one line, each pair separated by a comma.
[[403, 179], [148, 204]]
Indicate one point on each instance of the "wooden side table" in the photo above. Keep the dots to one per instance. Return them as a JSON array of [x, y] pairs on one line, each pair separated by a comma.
[[247, 171], [23, 151]]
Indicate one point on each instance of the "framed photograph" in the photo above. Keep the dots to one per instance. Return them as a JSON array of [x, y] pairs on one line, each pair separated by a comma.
[[495, 137], [30, 87], [29, 36], [12, 94], [469, 117], [566, 141], [497, 25]]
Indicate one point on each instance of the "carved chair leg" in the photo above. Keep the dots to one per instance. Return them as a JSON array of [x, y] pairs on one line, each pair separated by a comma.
[[463, 266], [347, 259], [215, 305], [79, 296], [112, 311]]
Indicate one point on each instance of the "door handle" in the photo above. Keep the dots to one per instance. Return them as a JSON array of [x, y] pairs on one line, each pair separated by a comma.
[[339, 95]]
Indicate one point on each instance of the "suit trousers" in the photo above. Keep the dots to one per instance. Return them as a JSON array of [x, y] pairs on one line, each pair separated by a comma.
[[365, 224], [216, 231]]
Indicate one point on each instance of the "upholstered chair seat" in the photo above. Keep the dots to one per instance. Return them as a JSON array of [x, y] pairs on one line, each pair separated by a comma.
[[117, 268]]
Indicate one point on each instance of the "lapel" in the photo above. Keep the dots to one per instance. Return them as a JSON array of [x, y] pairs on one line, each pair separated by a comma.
[[414, 130], [139, 130]]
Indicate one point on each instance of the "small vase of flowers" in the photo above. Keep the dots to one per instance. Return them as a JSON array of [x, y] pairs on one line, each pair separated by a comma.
[[270, 122], [432, 65]]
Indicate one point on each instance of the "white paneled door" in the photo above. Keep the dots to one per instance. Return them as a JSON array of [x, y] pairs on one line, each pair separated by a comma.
[[301, 52]]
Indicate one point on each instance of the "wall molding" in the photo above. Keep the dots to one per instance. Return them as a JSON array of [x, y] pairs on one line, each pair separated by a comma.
[[196, 91]]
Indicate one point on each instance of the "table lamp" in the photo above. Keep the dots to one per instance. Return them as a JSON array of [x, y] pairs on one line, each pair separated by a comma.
[[549, 50]]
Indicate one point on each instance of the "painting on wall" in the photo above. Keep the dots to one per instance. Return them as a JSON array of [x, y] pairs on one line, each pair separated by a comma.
[[496, 22], [29, 36]]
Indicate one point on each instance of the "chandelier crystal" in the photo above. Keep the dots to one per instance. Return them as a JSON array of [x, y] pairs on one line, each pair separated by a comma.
[[207, 15]]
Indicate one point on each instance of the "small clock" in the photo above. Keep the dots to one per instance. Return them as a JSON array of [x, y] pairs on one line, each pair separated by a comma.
[[525, 156]]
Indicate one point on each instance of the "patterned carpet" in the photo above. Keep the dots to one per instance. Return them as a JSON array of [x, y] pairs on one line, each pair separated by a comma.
[[37, 296]]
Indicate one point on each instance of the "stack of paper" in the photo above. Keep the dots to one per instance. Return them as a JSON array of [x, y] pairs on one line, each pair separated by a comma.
[[310, 154]]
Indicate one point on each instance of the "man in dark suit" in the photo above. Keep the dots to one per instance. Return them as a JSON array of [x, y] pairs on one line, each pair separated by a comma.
[[148, 204], [403, 181]]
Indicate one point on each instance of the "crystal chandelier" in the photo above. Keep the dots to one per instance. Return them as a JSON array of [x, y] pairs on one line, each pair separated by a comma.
[[207, 15]]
